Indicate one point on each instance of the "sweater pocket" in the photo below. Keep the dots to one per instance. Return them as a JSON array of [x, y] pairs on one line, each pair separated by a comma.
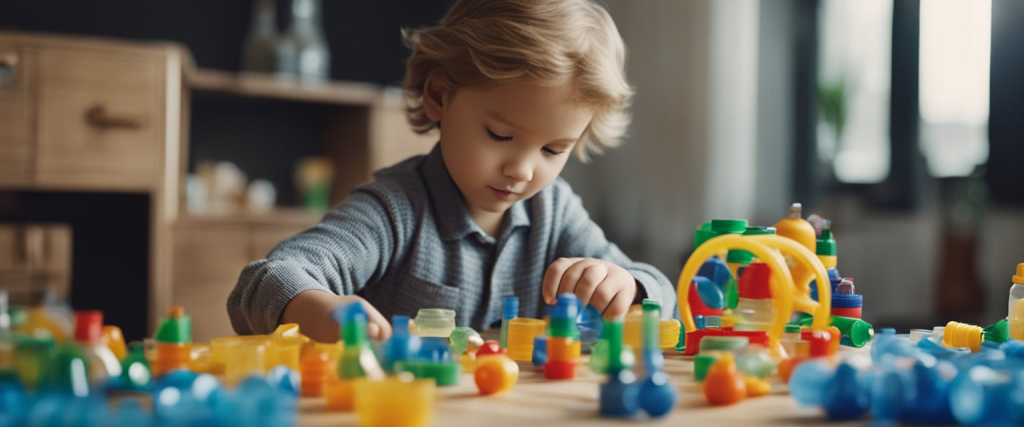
[[415, 293]]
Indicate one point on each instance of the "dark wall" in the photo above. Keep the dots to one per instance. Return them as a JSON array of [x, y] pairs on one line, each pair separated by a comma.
[[1006, 105], [363, 35]]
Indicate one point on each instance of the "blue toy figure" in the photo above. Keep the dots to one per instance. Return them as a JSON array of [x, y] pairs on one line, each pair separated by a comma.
[[657, 395], [844, 397], [619, 396], [402, 346]]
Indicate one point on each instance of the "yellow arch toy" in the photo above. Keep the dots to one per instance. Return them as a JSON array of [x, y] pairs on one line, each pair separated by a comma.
[[790, 287]]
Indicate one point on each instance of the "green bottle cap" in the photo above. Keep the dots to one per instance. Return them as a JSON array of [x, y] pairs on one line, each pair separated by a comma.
[[826, 243], [792, 329], [702, 363], [651, 304], [997, 332], [175, 327], [612, 334], [728, 226]]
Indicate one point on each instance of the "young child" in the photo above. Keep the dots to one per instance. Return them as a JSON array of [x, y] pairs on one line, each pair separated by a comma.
[[513, 87]]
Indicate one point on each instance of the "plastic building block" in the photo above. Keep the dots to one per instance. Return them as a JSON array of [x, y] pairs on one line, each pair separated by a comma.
[[340, 394], [13, 399], [510, 310], [669, 335], [962, 335], [997, 332], [657, 396], [563, 317], [495, 374], [446, 373], [590, 326], [378, 401], [402, 346], [702, 363], [103, 365], [521, 334], [316, 370], [619, 395], [357, 359], [724, 385], [540, 350], [174, 339], [435, 322]]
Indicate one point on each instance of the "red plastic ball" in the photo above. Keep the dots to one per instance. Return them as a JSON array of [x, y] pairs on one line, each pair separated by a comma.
[[490, 348]]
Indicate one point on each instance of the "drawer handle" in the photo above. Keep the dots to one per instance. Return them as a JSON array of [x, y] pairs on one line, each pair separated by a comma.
[[8, 63], [99, 116]]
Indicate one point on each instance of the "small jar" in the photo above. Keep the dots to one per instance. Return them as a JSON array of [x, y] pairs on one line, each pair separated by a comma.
[[435, 322]]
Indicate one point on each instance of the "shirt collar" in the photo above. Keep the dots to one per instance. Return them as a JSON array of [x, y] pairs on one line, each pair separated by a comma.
[[453, 221]]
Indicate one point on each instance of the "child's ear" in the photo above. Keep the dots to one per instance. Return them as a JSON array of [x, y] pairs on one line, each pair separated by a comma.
[[433, 99]]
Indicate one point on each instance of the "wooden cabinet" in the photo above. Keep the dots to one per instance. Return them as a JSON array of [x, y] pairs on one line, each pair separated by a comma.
[[15, 115], [99, 118], [86, 114]]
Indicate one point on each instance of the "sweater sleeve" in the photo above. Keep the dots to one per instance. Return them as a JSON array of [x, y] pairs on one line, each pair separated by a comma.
[[579, 236], [350, 247]]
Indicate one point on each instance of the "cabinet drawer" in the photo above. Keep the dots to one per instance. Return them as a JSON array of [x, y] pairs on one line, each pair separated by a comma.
[[99, 119], [15, 111]]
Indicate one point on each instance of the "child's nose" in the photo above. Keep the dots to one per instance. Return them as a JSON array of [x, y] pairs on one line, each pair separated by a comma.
[[519, 170]]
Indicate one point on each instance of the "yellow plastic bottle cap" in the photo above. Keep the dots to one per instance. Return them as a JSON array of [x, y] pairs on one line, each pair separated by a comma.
[[1019, 277]]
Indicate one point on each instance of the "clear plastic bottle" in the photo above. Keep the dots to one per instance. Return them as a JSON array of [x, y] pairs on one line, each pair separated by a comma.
[[754, 309], [1015, 307], [103, 365]]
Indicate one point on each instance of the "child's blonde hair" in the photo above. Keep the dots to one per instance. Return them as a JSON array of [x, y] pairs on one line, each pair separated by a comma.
[[490, 42]]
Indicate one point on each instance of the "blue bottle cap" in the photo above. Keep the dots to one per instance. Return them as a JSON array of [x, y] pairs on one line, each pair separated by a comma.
[[511, 308]]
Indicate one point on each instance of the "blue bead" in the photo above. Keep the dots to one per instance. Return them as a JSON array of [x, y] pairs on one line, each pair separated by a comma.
[[590, 324], [980, 395], [710, 294], [13, 402], [285, 379], [657, 396], [891, 394], [807, 382], [715, 270], [434, 349]]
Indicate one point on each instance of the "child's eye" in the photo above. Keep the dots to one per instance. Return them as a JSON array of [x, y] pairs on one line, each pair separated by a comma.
[[550, 152], [497, 137]]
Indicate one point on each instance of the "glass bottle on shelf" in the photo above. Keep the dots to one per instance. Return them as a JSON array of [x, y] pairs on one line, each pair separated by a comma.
[[303, 50], [259, 54]]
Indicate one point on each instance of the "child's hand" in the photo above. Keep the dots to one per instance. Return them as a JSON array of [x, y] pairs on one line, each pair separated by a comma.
[[606, 286], [312, 311]]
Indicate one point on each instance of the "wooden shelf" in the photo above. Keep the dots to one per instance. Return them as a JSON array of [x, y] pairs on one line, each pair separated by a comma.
[[260, 85], [278, 216]]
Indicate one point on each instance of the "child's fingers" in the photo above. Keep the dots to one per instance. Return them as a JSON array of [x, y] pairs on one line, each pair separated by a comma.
[[592, 278], [377, 326], [553, 277], [572, 276], [618, 307]]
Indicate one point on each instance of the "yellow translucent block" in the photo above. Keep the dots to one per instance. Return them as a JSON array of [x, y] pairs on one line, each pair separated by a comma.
[[521, 333], [668, 333], [394, 402], [633, 329], [202, 361], [243, 360]]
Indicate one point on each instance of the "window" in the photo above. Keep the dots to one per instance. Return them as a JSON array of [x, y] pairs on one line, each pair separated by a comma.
[[956, 40]]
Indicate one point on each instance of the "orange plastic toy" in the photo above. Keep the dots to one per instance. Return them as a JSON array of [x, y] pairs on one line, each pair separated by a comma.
[[724, 384]]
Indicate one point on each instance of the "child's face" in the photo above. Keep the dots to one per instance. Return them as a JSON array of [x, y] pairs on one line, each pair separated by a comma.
[[506, 143]]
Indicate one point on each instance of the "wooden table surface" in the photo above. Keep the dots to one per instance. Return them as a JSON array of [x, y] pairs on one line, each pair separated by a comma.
[[535, 401]]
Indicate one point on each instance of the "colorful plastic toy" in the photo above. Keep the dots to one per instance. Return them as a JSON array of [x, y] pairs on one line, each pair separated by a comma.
[[724, 384], [435, 322], [563, 343], [402, 346], [510, 310], [495, 373], [174, 342], [521, 334], [1015, 309], [103, 365], [395, 401], [789, 288], [657, 396], [619, 395]]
